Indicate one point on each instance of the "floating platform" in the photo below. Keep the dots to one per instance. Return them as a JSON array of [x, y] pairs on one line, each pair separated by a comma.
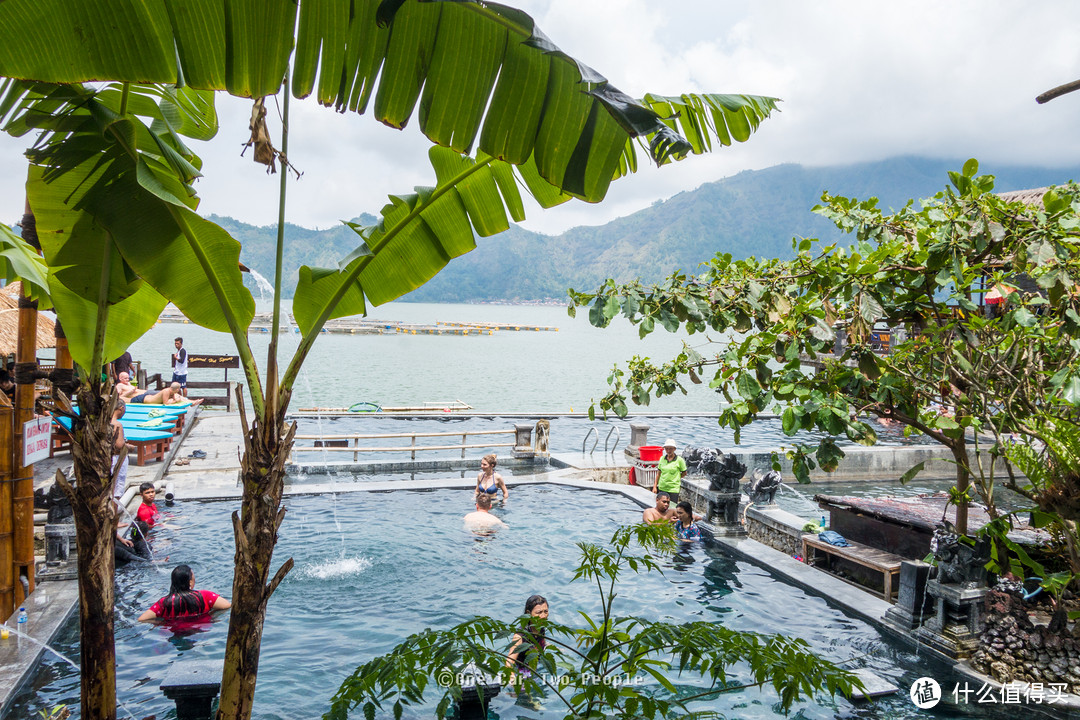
[[368, 408], [263, 322]]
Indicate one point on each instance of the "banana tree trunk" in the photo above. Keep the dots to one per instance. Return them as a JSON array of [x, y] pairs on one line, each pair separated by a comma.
[[95, 528], [255, 527]]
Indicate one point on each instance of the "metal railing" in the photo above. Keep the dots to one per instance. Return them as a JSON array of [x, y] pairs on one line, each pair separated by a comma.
[[351, 442], [596, 441]]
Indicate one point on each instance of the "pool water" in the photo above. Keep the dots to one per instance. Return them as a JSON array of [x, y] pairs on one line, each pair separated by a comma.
[[371, 568]]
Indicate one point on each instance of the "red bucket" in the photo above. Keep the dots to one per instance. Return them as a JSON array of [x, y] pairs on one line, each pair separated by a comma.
[[650, 453]]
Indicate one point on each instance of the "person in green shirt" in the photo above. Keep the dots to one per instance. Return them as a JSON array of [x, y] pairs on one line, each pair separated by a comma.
[[672, 471]]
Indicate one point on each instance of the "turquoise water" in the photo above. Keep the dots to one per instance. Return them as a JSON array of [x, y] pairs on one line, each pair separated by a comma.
[[372, 568]]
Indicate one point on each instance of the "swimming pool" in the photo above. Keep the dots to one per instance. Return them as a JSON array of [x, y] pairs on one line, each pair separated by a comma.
[[371, 568]]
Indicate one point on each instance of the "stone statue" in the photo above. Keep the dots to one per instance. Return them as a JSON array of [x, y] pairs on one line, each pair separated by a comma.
[[723, 471], [959, 562], [55, 502], [762, 488]]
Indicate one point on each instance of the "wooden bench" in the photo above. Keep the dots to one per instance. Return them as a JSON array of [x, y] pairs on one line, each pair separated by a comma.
[[884, 562], [149, 444]]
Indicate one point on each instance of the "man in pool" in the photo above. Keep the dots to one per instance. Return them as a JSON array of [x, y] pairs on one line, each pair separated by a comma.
[[663, 510], [482, 520]]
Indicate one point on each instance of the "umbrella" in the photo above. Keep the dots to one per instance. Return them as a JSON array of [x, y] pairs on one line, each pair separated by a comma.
[[998, 293]]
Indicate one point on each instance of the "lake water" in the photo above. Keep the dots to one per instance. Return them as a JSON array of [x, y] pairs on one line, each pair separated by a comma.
[[504, 372]]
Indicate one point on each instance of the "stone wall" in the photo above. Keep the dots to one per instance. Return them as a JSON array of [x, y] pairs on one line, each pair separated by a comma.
[[1013, 648], [771, 526]]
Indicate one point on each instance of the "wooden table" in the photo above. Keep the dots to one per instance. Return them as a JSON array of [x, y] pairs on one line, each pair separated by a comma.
[[884, 562]]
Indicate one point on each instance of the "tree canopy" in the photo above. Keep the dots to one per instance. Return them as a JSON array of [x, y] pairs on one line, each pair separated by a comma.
[[956, 369]]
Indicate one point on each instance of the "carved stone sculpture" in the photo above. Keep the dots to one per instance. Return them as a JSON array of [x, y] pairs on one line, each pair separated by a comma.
[[763, 486], [959, 562], [723, 471]]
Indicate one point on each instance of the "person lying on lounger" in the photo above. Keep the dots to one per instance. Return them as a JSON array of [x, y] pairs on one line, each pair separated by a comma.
[[169, 396], [125, 388]]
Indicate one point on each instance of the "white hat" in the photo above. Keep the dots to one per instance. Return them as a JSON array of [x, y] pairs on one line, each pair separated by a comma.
[[669, 443]]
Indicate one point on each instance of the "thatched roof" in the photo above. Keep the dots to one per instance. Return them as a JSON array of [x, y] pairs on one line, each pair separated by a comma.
[[9, 331], [1033, 196], [9, 295]]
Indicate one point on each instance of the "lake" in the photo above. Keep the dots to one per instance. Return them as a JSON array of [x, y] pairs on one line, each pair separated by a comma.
[[508, 371]]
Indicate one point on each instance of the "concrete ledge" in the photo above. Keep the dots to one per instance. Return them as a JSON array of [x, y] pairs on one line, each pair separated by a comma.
[[469, 463], [19, 657]]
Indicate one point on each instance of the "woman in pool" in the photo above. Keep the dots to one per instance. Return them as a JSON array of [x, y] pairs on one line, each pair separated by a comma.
[[489, 481], [528, 643], [183, 600], [685, 527]]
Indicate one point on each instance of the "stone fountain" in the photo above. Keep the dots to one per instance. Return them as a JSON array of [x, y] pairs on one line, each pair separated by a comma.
[[712, 487]]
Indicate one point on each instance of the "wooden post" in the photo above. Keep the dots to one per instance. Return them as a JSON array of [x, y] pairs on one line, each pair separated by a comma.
[[7, 548], [22, 500], [63, 354]]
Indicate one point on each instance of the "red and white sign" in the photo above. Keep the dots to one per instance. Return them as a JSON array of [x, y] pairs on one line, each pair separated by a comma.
[[37, 436]]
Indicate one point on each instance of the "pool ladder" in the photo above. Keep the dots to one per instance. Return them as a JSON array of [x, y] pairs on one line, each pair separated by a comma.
[[596, 440]]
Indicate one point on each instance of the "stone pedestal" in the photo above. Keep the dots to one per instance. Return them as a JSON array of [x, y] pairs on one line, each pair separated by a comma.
[[193, 685], [721, 510], [913, 606], [523, 446], [958, 619], [60, 556], [478, 689], [639, 435]]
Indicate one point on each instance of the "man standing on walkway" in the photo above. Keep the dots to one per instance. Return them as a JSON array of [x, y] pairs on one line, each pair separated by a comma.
[[179, 364]]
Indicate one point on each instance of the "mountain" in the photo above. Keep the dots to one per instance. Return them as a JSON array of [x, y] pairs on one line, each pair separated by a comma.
[[756, 212]]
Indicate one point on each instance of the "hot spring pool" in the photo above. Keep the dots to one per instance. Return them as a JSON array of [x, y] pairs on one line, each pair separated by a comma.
[[371, 568]]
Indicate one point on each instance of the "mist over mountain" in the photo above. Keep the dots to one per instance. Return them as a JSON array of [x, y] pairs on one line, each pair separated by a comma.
[[756, 212]]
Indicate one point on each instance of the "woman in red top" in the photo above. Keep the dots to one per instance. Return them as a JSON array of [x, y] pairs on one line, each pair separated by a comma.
[[183, 600]]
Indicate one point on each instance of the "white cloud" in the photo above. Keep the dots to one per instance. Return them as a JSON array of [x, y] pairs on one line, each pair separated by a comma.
[[859, 81]]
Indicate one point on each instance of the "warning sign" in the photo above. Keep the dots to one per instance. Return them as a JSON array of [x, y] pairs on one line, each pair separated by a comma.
[[37, 436]]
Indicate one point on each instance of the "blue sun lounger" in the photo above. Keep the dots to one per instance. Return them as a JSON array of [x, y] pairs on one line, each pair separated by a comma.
[[149, 444]]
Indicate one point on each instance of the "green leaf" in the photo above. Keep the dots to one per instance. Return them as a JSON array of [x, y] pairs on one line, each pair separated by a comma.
[[869, 308], [1070, 390], [868, 365], [19, 261], [971, 167], [748, 386], [128, 320], [911, 473]]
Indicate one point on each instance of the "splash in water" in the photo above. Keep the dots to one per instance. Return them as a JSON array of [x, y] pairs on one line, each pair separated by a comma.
[[336, 568]]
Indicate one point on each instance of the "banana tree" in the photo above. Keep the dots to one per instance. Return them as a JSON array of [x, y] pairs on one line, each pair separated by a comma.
[[97, 271], [483, 74]]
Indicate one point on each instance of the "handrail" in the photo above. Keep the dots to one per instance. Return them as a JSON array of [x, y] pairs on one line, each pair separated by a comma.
[[595, 442], [340, 443], [614, 429]]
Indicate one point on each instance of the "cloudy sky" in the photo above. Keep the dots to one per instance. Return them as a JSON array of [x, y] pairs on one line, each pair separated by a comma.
[[859, 81]]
